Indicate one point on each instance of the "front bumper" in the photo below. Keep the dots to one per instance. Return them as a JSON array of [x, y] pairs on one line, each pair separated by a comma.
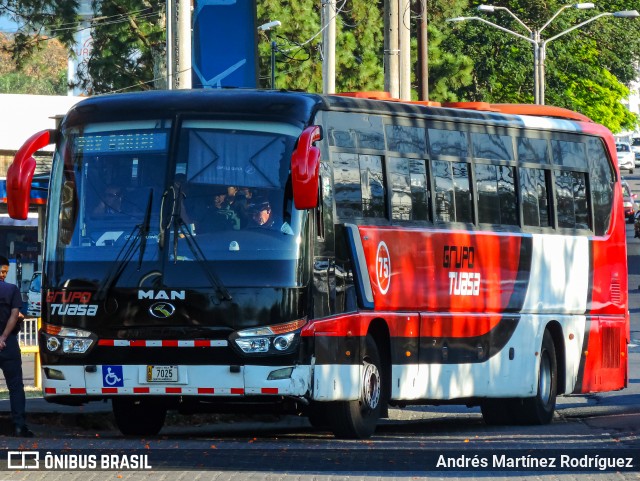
[[103, 381]]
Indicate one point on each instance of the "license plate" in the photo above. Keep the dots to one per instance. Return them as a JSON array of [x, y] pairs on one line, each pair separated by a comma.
[[162, 373]]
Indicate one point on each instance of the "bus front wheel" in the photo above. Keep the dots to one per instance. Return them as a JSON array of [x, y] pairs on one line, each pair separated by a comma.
[[138, 417], [358, 419]]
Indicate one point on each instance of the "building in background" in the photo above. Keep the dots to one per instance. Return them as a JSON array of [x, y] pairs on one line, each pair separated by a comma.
[[23, 115]]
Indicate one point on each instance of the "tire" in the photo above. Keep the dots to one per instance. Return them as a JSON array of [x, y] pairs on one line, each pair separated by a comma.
[[358, 419], [498, 412], [138, 417], [317, 414], [539, 409]]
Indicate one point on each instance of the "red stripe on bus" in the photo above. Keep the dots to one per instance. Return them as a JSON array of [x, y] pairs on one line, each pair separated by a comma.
[[206, 390], [137, 343], [269, 390], [106, 342], [237, 390], [141, 390], [170, 343], [78, 390], [202, 343], [49, 390], [109, 390], [173, 390]]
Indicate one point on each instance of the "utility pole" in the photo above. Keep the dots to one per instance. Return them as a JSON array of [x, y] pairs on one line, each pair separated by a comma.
[[404, 24], [182, 74], [179, 44], [423, 53], [83, 46], [171, 42], [329, 47], [391, 64]]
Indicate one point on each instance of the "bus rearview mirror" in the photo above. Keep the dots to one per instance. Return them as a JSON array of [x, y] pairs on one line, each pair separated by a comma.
[[305, 169], [20, 173]]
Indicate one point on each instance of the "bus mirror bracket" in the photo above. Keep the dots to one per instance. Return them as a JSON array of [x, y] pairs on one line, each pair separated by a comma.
[[305, 169], [20, 173]]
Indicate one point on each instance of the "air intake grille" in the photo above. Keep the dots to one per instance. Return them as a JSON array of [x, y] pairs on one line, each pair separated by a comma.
[[616, 291], [610, 347]]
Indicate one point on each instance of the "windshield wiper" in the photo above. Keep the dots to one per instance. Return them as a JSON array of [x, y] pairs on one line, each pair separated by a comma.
[[144, 229], [140, 231], [180, 227]]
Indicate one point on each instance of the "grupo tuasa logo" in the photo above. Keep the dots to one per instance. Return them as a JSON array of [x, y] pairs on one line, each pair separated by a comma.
[[162, 310]]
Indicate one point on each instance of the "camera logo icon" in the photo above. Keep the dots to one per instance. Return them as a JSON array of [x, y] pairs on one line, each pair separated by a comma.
[[23, 460]]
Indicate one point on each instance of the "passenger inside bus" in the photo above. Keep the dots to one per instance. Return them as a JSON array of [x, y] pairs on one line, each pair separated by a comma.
[[260, 214], [219, 215], [110, 202]]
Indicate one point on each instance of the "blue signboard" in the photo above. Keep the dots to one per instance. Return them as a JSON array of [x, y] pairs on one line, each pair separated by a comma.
[[39, 189], [224, 44]]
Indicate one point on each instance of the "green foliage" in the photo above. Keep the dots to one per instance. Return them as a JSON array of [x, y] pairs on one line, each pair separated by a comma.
[[359, 46], [20, 83], [601, 100], [124, 50], [448, 72], [587, 70], [42, 73]]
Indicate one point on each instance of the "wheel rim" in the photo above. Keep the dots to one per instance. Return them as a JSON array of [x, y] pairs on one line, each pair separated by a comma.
[[544, 383], [370, 387]]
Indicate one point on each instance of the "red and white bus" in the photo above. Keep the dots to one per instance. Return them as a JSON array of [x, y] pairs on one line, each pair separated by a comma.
[[327, 255]]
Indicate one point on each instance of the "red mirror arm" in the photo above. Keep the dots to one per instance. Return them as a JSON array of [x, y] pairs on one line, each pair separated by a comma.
[[20, 174]]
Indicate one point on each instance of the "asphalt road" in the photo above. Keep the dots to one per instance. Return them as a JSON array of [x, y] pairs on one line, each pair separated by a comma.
[[287, 448]]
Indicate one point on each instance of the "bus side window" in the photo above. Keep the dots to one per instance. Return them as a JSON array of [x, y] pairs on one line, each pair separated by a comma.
[[408, 189], [571, 194], [601, 177], [535, 197], [496, 191], [453, 201]]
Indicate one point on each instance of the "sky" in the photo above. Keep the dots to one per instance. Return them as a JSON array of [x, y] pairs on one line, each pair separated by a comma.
[[7, 25]]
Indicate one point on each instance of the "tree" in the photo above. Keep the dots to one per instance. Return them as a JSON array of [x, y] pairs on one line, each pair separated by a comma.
[[586, 70], [127, 34], [44, 73]]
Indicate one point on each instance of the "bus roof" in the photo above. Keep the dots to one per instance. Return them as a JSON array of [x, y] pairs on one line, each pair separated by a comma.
[[298, 108]]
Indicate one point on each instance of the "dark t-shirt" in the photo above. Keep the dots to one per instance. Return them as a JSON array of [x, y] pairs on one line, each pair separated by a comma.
[[10, 298]]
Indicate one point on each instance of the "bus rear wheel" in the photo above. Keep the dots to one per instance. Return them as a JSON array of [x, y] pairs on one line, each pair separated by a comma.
[[138, 417], [536, 410], [539, 409], [358, 419]]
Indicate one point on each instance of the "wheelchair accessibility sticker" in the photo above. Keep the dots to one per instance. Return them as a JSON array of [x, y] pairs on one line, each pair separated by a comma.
[[112, 376]]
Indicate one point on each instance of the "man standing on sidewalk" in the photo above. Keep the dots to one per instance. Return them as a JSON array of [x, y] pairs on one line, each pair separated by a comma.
[[10, 356]]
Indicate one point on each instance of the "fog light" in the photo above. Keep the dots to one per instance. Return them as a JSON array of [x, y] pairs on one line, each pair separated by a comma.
[[257, 344], [76, 345], [53, 343], [53, 374], [282, 343], [284, 373]]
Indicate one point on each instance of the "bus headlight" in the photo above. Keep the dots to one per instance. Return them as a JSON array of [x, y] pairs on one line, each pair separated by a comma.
[[256, 344], [75, 345], [276, 339], [67, 340]]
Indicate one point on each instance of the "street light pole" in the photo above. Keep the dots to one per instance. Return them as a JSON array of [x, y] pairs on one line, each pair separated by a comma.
[[274, 47], [539, 44]]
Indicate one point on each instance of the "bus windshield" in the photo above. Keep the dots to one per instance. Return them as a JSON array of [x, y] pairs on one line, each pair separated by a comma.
[[138, 202]]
